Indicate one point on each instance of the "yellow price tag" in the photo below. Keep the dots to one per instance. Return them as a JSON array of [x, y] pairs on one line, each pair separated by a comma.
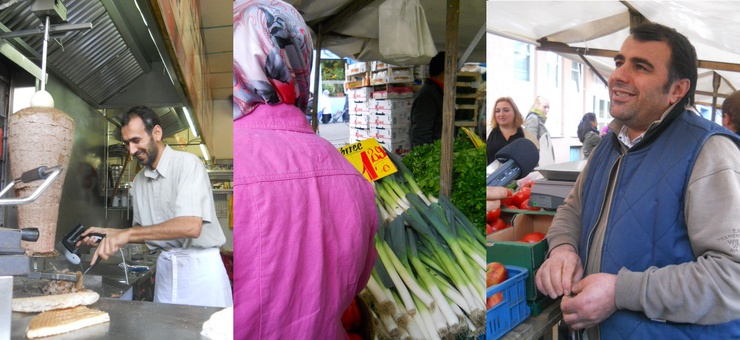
[[369, 158]]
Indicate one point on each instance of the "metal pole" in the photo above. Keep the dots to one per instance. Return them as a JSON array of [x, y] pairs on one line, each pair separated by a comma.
[[43, 54], [316, 78]]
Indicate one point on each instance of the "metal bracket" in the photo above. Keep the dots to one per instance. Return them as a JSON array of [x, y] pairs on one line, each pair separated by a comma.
[[53, 29]]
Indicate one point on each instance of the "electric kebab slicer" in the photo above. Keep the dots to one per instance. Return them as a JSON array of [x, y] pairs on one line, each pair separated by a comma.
[[68, 244]]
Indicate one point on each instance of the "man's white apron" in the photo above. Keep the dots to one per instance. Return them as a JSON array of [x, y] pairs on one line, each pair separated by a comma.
[[192, 277]]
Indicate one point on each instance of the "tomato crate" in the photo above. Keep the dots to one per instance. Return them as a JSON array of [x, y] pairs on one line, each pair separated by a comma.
[[512, 309], [508, 250]]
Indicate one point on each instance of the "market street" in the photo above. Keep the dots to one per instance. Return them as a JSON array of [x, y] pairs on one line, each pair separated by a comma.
[[336, 133]]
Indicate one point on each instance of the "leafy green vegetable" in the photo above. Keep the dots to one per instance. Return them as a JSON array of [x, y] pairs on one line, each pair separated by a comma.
[[468, 175]]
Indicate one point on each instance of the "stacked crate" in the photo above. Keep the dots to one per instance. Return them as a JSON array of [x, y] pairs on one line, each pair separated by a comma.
[[391, 105], [390, 122], [467, 100], [380, 97], [359, 113]]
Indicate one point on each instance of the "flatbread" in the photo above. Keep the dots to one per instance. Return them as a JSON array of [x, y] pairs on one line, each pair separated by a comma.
[[65, 320], [48, 302]]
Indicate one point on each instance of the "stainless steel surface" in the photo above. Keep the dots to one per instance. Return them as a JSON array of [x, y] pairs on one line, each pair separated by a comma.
[[567, 171], [6, 285], [13, 260], [133, 320], [14, 264], [36, 194], [71, 277]]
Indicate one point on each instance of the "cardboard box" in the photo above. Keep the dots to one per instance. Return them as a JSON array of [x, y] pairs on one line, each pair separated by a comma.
[[359, 133], [508, 250], [392, 133], [358, 109], [395, 92], [392, 75], [398, 146], [384, 119], [358, 105], [359, 121], [356, 68], [403, 105], [359, 94], [379, 65]]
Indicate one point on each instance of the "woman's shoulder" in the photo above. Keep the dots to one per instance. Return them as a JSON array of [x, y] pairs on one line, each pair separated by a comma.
[[529, 135]]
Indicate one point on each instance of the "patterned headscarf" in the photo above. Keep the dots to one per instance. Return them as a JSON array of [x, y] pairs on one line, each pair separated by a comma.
[[272, 55]]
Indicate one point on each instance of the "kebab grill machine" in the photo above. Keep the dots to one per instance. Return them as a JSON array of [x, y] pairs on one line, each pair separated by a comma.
[[13, 258]]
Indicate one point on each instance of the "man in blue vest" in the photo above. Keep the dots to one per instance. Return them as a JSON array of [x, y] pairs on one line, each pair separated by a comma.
[[647, 244]]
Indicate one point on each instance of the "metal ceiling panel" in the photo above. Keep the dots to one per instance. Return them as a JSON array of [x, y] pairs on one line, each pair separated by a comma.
[[96, 63]]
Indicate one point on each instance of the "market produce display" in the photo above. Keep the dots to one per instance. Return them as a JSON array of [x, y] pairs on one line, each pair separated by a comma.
[[428, 280], [494, 222], [468, 181]]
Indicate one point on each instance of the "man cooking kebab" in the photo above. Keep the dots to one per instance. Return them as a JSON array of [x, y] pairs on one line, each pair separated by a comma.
[[174, 212], [644, 245]]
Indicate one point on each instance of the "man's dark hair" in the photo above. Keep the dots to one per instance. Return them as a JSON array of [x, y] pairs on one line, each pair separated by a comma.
[[437, 64], [147, 115], [731, 106], [683, 62]]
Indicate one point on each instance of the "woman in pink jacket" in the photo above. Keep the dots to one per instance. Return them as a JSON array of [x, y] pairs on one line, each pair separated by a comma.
[[304, 217]]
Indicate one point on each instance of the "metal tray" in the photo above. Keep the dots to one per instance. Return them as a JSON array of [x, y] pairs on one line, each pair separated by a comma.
[[567, 171]]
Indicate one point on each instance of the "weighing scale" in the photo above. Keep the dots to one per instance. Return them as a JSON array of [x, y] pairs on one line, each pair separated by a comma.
[[550, 192]]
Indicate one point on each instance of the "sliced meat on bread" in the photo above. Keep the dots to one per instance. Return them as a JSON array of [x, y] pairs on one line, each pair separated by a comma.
[[48, 302], [65, 320]]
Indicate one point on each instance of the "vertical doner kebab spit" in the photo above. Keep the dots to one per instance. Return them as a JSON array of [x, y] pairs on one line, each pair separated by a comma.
[[39, 136]]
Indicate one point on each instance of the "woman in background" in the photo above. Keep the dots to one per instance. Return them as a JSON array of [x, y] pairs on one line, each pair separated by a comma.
[[507, 124], [588, 134], [304, 217]]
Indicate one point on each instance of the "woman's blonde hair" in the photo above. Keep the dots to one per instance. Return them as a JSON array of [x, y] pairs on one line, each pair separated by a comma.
[[518, 120]]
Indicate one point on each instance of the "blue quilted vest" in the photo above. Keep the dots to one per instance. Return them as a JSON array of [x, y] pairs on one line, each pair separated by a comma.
[[646, 223]]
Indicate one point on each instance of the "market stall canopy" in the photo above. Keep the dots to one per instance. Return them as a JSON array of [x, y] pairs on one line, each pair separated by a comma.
[[592, 32], [351, 27]]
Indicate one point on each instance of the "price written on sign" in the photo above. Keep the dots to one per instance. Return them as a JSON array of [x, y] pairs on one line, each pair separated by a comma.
[[369, 158]]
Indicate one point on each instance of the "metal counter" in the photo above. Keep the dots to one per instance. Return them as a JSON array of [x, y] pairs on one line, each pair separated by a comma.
[[132, 320]]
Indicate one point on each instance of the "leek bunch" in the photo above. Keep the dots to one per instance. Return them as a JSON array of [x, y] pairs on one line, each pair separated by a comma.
[[428, 282]]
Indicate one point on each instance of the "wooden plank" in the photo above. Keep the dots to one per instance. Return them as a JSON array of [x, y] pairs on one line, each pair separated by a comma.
[[448, 111]]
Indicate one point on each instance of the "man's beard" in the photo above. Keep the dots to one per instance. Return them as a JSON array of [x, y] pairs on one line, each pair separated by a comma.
[[151, 152]]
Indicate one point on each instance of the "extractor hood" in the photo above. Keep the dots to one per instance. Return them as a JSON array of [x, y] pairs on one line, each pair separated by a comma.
[[121, 62]]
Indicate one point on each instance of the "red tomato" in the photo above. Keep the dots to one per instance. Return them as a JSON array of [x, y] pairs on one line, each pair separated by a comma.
[[498, 225], [507, 200], [533, 237], [489, 229], [525, 206], [528, 184], [519, 197], [493, 215]]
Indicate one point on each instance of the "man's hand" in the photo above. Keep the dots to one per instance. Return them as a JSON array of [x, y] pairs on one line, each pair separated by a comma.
[[114, 239], [593, 301], [494, 196], [559, 272]]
